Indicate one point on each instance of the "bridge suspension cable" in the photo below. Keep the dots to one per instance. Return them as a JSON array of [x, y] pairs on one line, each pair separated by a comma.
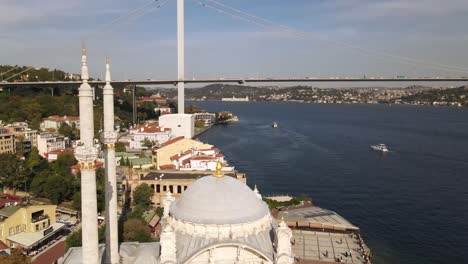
[[3, 73], [129, 16], [18, 74], [146, 12], [265, 23]]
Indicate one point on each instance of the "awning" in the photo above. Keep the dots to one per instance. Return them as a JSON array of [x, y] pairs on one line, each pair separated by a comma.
[[28, 240], [154, 221]]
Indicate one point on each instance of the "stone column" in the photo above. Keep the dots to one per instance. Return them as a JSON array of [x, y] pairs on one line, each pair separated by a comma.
[[86, 154], [167, 201], [283, 247], [108, 139], [168, 246]]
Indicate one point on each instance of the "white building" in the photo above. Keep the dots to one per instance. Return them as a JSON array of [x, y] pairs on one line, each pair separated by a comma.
[[54, 122], [207, 118], [49, 142], [164, 110], [235, 99], [152, 132], [199, 160], [182, 125]]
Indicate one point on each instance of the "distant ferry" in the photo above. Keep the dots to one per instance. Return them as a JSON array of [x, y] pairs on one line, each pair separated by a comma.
[[380, 147], [274, 124], [235, 99]]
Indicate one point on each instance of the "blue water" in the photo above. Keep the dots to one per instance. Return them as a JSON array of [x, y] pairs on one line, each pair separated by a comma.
[[411, 204]]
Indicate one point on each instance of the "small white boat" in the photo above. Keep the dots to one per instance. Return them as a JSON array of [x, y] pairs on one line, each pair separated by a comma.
[[380, 147], [274, 124]]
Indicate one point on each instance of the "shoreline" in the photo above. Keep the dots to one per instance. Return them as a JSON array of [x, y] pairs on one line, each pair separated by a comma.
[[358, 103]]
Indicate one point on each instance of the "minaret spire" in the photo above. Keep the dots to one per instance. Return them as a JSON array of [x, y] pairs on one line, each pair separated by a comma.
[[108, 139], [84, 65], [86, 154]]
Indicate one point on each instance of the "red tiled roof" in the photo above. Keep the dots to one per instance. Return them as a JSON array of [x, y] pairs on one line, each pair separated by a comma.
[[51, 255], [167, 167], [3, 246], [8, 198], [177, 156], [203, 157], [172, 141], [207, 149], [57, 118], [58, 151]]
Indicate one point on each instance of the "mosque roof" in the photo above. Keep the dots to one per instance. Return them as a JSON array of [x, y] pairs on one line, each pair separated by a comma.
[[218, 200], [189, 245]]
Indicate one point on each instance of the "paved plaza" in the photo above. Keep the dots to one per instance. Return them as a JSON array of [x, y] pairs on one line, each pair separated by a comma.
[[313, 245]]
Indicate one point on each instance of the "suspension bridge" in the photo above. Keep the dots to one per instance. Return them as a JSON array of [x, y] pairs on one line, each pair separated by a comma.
[[258, 22]]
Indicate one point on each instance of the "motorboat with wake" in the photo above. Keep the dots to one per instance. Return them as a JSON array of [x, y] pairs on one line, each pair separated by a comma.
[[380, 147]]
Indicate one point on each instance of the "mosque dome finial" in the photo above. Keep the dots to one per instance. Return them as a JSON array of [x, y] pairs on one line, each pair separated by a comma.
[[219, 170]]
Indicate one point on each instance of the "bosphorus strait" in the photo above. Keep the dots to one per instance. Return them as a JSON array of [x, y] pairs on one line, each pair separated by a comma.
[[410, 203]]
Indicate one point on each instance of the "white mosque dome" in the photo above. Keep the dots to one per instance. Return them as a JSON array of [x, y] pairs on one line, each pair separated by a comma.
[[218, 200]]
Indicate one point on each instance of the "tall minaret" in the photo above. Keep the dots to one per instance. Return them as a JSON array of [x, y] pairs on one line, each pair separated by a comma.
[[86, 154], [180, 57], [108, 139]]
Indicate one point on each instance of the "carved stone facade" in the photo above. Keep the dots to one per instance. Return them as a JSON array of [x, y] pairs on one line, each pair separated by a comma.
[[283, 247], [168, 246], [86, 157]]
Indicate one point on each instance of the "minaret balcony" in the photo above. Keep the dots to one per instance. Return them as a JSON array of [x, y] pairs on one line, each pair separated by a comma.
[[108, 137], [86, 154]]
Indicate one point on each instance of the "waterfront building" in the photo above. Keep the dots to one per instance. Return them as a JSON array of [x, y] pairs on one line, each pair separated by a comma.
[[181, 125], [156, 98], [53, 123], [28, 227], [235, 99], [48, 142], [207, 118], [7, 141], [163, 154], [197, 160], [162, 110]]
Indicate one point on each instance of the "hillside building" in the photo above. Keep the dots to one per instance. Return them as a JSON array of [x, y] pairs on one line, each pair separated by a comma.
[[151, 132], [53, 123], [50, 142], [7, 141], [28, 227]]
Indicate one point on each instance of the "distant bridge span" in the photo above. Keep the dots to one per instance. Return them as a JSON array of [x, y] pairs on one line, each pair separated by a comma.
[[236, 81]]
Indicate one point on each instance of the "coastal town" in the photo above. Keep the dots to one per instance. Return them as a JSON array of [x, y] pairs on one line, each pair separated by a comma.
[[156, 162], [413, 95]]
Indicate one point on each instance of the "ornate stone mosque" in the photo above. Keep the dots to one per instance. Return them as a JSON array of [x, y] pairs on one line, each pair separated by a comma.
[[218, 219]]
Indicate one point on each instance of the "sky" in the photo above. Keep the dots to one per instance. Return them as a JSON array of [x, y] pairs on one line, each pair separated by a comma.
[[327, 38]]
